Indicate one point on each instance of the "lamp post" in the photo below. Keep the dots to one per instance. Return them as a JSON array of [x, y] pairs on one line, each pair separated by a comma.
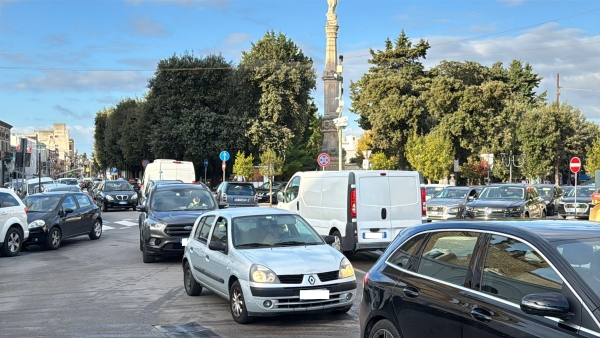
[[509, 161], [341, 122]]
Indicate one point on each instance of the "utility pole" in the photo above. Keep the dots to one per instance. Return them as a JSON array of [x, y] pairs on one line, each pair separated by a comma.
[[39, 162], [558, 89]]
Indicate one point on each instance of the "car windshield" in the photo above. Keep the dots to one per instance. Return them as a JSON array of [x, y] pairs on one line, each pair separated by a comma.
[[451, 193], [69, 181], [431, 191], [33, 188], [273, 230], [582, 192], [584, 257], [42, 203], [240, 189], [182, 200], [117, 186], [507, 192], [545, 192]]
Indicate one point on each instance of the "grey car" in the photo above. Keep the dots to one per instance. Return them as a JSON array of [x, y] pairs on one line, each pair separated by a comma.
[[237, 194], [266, 262], [449, 203]]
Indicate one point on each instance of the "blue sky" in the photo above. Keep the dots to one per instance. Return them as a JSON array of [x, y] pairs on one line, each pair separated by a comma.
[[63, 61]]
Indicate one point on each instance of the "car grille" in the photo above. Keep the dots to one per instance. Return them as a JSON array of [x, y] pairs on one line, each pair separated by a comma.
[[495, 213], [328, 276], [296, 303], [436, 209], [291, 279], [579, 205], [122, 197], [178, 230]]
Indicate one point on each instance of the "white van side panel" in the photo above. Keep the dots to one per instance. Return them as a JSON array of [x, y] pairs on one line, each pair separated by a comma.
[[405, 202], [324, 202], [372, 196]]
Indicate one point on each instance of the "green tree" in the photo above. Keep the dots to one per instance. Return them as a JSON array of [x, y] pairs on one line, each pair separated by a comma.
[[100, 152], [285, 78], [592, 158], [380, 161], [271, 165], [538, 135], [432, 154], [244, 165]]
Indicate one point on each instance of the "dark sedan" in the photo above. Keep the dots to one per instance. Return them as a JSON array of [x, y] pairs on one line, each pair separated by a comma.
[[578, 206], [54, 216], [264, 192], [552, 195], [499, 201], [486, 279], [116, 194], [169, 215]]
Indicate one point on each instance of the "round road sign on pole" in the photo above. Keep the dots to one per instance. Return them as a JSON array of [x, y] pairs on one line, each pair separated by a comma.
[[224, 156], [224, 165], [145, 163], [575, 164], [323, 159]]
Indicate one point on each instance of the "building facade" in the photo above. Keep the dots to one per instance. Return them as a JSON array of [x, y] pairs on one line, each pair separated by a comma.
[[4, 151], [350, 146], [57, 139]]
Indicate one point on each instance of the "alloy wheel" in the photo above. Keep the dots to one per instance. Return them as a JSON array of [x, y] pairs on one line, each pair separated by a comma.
[[97, 229], [188, 279], [14, 242], [55, 238], [237, 302], [383, 333], [337, 244]]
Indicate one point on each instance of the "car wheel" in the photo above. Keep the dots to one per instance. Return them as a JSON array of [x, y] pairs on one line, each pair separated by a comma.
[[13, 242], [104, 207], [134, 208], [337, 244], [54, 239], [563, 217], [384, 329], [145, 256], [544, 214], [237, 304], [192, 288], [551, 212], [141, 243], [343, 310], [96, 230]]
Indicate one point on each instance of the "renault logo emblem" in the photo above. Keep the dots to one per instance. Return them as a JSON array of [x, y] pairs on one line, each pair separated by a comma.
[[488, 211], [311, 280], [188, 228]]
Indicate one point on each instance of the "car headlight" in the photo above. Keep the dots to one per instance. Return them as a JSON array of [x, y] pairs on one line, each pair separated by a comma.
[[515, 209], [158, 225], [346, 269], [262, 274], [134, 197], [453, 210], [110, 198], [37, 224]]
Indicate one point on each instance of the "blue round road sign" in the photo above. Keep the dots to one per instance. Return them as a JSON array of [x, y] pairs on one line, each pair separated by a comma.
[[205, 163], [224, 156], [323, 160], [145, 163]]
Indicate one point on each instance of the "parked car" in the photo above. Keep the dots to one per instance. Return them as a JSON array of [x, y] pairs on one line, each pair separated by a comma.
[[116, 194], [13, 223], [486, 279], [552, 195], [497, 201], [450, 202], [265, 262], [169, 215], [265, 193], [578, 206], [566, 189], [432, 189], [237, 194], [55, 216], [57, 187]]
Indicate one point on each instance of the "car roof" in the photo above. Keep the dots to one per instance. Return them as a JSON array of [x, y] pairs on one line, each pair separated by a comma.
[[253, 211], [242, 183], [178, 186], [550, 230], [458, 187]]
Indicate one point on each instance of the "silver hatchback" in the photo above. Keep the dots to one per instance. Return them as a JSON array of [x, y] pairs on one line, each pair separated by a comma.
[[265, 262]]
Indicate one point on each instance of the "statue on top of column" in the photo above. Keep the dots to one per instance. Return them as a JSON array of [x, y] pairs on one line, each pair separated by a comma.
[[331, 11]]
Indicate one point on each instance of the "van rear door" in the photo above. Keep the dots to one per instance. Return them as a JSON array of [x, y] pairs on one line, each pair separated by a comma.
[[373, 208], [405, 200]]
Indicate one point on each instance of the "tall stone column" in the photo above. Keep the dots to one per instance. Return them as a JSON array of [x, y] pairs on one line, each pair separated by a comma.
[[331, 82]]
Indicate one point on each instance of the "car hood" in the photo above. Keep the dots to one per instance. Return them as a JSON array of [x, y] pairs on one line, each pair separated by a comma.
[[295, 260], [179, 217], [580, 199], [117, 192], [46, 216], [496, 203], [445, 201]]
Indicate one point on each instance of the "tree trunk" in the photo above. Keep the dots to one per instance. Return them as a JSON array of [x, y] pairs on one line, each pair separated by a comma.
[[556, 168]]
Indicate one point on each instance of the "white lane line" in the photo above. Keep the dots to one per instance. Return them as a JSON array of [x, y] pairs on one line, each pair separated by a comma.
[[106, 227], [126, 223], [105, 221]]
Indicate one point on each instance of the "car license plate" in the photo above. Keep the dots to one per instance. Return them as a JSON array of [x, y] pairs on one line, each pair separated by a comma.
[[240, 200], [314, 294], [123, 202], [434, 213], [372, 235], [183, 241]]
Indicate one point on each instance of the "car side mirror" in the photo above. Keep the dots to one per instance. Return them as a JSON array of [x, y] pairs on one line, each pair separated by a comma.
[[329, 239], [551, 304], [223, 205], [142, 208], [217, 246], [471, 198], [280, 198]]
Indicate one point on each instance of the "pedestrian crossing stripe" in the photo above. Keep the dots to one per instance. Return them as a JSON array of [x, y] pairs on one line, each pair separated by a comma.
[[105, 221], [126, 223], [106, 227]]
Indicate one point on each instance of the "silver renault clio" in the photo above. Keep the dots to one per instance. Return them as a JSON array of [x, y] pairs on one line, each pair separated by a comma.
[[266, 262]]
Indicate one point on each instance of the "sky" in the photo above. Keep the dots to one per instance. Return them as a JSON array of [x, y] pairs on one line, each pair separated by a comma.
[[63, 61]]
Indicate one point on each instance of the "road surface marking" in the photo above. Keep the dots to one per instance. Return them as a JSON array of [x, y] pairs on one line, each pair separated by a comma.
[[106, 227], [126, 223]]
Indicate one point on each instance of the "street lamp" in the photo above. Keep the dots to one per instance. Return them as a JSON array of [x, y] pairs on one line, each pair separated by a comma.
[[509, 161], [340, 122]]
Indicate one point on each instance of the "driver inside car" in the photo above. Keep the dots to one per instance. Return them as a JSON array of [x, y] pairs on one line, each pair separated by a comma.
[[276, 233]]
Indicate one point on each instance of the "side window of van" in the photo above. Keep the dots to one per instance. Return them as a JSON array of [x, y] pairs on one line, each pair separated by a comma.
[[291, 192]]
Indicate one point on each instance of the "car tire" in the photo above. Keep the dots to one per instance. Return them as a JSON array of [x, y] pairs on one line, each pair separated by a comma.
[[13, 243], [141, 243], [563, 217], [96, 231], [146, 258], [544, 214], [237, 304], [192, 287], [338, 241], [384, 328], [551, 211], [54, 239], [104, 207], [342, 310], [134, 208]]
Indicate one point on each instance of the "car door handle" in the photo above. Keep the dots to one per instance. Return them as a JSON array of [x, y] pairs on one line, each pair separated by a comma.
[[207, 258], [383, 213], [481, 314], [409, 291], [297, 205], [192, 250]]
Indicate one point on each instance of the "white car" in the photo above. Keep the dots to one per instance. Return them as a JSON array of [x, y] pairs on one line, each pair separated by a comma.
[[13, 223], [266, 262]]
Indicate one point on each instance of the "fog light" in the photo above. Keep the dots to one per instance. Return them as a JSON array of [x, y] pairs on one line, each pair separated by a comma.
[[267, 303], [154, 241], [349, 296]]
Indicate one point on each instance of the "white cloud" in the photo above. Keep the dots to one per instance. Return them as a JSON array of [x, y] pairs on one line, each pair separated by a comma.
[[83, 81], [235, 39], [147, 27]]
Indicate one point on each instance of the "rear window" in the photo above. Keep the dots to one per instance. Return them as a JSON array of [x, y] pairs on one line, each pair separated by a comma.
[[240, 189]]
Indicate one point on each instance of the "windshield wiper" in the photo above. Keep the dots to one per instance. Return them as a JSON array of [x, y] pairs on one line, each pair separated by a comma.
[[296, 243], [252, 245]]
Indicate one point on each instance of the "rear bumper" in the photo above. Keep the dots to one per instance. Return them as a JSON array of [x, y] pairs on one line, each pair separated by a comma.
[[371, 246]]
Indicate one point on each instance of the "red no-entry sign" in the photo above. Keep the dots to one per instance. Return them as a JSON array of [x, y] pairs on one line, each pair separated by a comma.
[[224, 165], [575, 164]]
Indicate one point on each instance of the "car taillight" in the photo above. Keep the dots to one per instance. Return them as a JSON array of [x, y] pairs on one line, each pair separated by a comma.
[[423, 200], [26, 210], [193, 182], [353, 203], [224, 197], [366, 279]]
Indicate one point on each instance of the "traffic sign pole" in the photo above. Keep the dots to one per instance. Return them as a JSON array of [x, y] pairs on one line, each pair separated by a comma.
[[575, 166], [224, 166]]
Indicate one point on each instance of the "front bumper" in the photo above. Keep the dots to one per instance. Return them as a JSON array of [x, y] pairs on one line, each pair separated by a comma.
[[568, 209], [286, 299], [120, 204], [166, 242], [37, 236]]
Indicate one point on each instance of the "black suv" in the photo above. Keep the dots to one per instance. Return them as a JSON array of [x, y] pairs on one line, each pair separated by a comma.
[[581, 209], [116, 194], [265, 191], [497, 201], [168, 217]]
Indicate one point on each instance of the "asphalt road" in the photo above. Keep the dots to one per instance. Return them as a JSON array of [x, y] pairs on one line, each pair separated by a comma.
[[103, 289]]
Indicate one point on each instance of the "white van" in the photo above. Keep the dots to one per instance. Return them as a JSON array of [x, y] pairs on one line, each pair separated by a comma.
[[168, 170], [364, 210], [29, 188]]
